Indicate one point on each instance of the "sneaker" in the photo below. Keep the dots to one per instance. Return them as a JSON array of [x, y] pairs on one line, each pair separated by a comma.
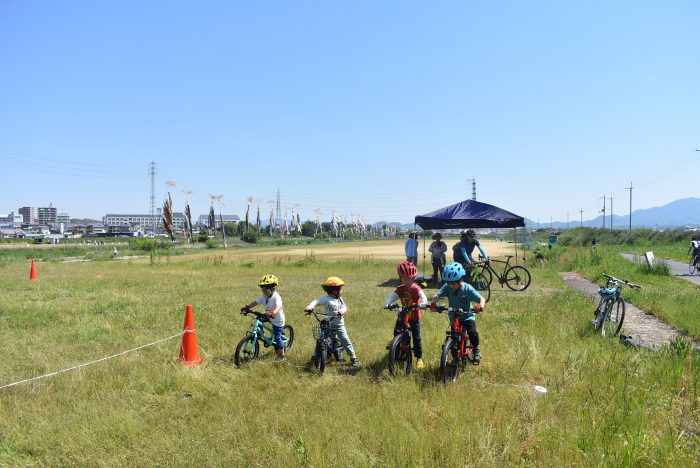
[[476, 360], [389, 345], [355, 362], [281, 358], [420, 364]]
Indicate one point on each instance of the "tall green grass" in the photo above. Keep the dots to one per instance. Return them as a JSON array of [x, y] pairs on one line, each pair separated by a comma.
[[606, 405]]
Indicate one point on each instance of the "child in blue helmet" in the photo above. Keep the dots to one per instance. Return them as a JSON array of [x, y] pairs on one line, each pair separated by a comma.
[[460, 295]]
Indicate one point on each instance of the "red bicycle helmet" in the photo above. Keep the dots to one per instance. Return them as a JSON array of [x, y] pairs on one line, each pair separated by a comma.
[[407, 270]]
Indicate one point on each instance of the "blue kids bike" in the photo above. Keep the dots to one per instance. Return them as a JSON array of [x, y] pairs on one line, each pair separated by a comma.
[[249, 347], [610, 312], [327, 341], [400, 350]]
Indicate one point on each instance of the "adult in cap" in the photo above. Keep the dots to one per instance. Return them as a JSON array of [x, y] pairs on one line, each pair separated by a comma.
[[438, 258], [462, 251]]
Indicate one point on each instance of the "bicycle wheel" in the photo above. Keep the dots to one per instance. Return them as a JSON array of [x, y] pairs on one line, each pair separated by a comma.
[[246, 351], [517, 278], [482, 285], [697, 267], [487, 274], [616, 315], [287, 337], [691, 266], [320, 356], [400, 357], [449, 362]]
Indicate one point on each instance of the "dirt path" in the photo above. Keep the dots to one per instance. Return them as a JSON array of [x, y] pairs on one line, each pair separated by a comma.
[[638, 324]]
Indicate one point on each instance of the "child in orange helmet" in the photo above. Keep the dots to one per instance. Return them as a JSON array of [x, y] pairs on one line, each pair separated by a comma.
[[335, 309]]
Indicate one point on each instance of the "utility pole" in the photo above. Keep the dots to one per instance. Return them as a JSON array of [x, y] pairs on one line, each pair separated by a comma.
[[630, 189], [152, 170], [603, 210], [278, 209], [581, 217], [567, 220], [611, 213]]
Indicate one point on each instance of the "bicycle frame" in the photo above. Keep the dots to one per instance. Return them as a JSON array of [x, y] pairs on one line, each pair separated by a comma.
[[488, 266], [327, 334], [464, 349], [264, 332]]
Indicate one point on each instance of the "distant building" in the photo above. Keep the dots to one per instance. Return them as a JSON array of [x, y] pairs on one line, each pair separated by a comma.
[[142, 221], [47, 215], [63, 218], [204, 220], [11, 233], [11, 220], [29, 214]]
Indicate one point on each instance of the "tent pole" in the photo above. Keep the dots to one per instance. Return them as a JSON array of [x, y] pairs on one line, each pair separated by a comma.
[[515, 242]]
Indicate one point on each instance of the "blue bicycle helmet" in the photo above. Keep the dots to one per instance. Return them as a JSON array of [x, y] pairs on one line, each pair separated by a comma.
[[453, 272]]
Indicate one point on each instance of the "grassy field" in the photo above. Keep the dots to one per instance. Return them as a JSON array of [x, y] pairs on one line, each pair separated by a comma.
[[606, 404]]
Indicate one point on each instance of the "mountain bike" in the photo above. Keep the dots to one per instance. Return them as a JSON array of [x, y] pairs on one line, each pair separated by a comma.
[[480, 282], [249, 347], [694, 264], [457, 351], [327, 341], [516, 277], [400, 351], [610, 313]]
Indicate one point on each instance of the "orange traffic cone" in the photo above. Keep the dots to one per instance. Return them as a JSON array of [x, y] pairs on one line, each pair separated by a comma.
[[189, 352], [32, 272]]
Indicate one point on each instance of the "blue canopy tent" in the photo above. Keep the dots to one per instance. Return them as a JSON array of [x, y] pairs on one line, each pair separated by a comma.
[[469, 214]]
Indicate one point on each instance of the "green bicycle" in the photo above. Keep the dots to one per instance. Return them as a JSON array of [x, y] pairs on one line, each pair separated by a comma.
[[249, 347]]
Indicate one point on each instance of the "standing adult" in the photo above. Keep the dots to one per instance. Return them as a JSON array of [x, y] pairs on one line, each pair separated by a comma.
[[437, 251], [412, 248], [462, 251]]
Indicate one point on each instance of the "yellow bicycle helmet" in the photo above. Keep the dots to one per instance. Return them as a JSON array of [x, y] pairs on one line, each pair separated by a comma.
[[333, 281], [268, 280]]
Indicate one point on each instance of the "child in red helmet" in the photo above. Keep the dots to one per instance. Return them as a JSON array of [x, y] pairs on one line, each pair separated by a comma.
[[410, 294]]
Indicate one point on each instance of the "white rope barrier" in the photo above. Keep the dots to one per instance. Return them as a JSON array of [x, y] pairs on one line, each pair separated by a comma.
[[91, 362]]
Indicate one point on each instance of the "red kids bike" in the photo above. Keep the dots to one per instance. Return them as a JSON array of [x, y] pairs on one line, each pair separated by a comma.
[[400, 351], [457, 351]]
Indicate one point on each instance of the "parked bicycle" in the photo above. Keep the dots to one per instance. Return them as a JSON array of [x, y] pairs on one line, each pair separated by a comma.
[[248, 348], [457, 351], [400, 350], [610, 313], [516, 277], [327, 341], [480, 282]]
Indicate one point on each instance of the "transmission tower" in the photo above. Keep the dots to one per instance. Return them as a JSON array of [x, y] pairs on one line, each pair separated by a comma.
[[278, 209], [152, 171], [473, 181]]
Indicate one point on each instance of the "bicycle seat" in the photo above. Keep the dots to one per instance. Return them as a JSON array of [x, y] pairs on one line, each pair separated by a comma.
[[607, 292]]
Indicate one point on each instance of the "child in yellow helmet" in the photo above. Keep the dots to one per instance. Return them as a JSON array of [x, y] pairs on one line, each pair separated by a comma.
[[335, 309], [272, 302]]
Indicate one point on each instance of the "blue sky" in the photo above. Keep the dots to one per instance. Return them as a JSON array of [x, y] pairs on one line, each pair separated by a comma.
[[383, 109]]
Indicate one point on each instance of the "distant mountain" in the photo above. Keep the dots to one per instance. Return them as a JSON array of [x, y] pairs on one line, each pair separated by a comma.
[[678, 213]]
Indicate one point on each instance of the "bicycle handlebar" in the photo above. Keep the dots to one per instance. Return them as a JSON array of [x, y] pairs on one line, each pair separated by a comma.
[[441, 309], [612, 279], [396, 306], [321, 314]]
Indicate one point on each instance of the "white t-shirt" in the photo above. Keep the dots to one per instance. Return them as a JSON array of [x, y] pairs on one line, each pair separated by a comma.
[[333, 306], [270, 304]]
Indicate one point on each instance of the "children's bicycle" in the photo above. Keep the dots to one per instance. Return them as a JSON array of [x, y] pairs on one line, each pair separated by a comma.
[[249, 347], [516, 277], [610, 313], [327, 341], [400, 350], [457, 351]]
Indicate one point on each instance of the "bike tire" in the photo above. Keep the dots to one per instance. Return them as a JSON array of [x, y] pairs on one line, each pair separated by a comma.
[[287, 337], [320, 357], [697, 268], [246, 351], [449, 362], [517, 278], [400, 356], [691, 266], [482, 285], [615, 318], [487, 274]]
